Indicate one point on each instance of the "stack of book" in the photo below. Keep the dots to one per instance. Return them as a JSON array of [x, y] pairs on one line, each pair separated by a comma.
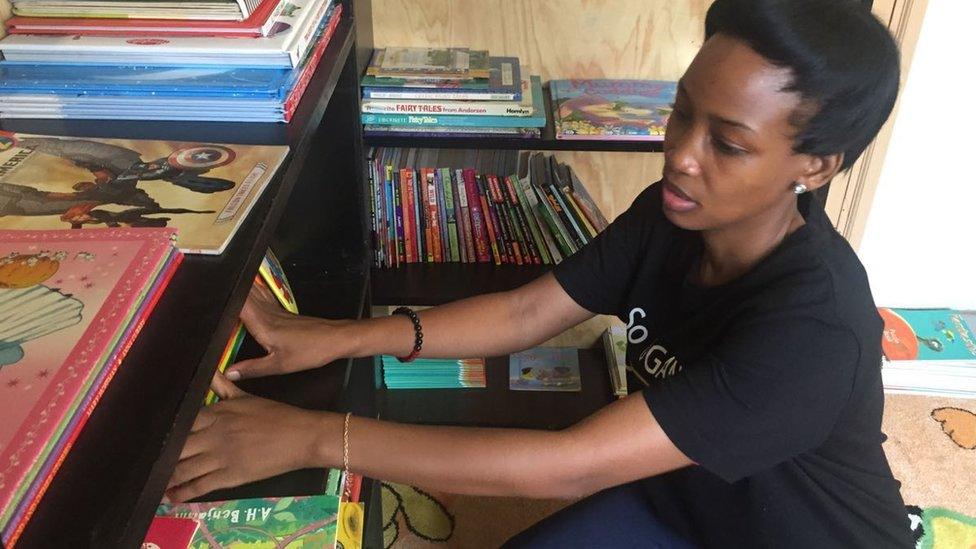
[[433, 373], [150, 60], [452, 92], [468, 206], [73, 302], [929, 352], [612, 110]]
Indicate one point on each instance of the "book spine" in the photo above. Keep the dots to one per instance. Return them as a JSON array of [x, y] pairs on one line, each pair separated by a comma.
[[426, 120], [467, 225], [402, 223], [553, 197], [522, 224], [431, 94], [409, 218], [532, 206], [298, 90], [442, 212], [587, 204], [478, 229], [581, 217], [444, 107], [435, 253], [393, 258], [420, 210], [559, 232], [451, 210], [491, 222], [574, 215], [373, 209], [524, 210], [512, 244]]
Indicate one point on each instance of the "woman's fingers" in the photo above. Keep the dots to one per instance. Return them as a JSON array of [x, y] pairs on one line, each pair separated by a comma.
[[199, 486], [191, 468], [224, 388], [252, 367]]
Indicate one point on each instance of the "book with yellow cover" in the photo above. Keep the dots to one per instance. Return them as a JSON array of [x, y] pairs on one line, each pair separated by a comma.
[[204, 190]]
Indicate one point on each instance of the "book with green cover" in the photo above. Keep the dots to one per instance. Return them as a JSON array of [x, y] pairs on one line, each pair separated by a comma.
[[261, 523]]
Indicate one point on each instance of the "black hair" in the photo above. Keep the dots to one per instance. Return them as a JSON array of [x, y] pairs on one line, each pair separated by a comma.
[[844, 63]]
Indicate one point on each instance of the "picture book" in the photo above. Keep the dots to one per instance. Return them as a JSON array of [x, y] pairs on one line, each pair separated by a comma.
[[630, 110], [170, 533], [927, 334], [501, 84], [615, 349], [428, 62], [545, 369], [73, 302], [204, 190], [284, 46], [289, 522]]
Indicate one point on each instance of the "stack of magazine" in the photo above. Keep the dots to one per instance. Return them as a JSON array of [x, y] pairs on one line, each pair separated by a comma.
[[148, 60], [450, 92]]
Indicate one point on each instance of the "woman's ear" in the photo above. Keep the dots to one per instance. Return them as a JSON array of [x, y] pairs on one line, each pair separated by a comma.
[[820, 170]]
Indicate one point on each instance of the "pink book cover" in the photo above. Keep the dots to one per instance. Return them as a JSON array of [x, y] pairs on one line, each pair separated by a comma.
[[67, 298], [170, 533], [61, 446]]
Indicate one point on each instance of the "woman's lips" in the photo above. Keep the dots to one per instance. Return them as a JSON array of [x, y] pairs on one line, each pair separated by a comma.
[[676, 200]]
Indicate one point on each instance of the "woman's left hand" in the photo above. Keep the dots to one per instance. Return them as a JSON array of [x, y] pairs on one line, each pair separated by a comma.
[[244, 438]]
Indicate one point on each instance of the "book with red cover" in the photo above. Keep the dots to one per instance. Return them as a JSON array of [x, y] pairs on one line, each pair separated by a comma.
[[74, 303], [478, 223], [261, 22], [170, 533]]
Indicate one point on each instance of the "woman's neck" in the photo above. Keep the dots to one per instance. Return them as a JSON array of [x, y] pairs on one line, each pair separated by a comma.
[[732, 251]]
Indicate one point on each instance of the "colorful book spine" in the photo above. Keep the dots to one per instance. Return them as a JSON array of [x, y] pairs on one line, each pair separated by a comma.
[[531, 201], [478, 227], [451, 212], [409, 220], [399, 227], [552, 195], [442, 214], [518, 218], [446, 107], [512, 243], [559, 232], [497, 245], [466, 225], [581, 217]]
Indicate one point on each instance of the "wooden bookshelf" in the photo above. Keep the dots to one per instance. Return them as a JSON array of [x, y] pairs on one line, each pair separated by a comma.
[[547, 142], [106, 491]]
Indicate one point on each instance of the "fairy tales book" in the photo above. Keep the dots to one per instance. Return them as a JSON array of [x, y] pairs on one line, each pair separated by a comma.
[[203, 190]]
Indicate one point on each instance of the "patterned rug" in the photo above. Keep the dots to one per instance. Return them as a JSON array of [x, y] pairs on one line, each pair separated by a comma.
[[931, 446]]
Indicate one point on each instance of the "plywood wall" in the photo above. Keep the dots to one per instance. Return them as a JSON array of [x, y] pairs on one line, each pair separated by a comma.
[[654, 39]]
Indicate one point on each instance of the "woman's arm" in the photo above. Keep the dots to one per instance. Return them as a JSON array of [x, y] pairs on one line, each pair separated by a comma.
[[486, 325], [229, 441]]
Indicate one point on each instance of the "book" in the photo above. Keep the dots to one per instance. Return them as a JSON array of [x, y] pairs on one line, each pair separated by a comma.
[[423, 62], [433, 373], [624, 110], [170, 533], [204, 190], [523, 107], [536, 120], [259, 23], [73, 302], [614, 341], [929, 351], [502, 84], [300, 521], [284, 48], [545, 369], [230, 10]]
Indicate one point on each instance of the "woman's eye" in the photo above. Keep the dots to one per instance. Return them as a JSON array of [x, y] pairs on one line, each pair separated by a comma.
[[725, 147]]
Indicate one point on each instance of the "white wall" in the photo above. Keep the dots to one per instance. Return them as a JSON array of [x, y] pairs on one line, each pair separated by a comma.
[[919, 244]]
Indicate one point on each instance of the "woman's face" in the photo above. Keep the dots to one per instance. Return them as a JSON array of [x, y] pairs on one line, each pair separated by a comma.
[[728, 148]]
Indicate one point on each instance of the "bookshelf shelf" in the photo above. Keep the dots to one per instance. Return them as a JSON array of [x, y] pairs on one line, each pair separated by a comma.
[[437, 283], [547, 142], [106, 491]]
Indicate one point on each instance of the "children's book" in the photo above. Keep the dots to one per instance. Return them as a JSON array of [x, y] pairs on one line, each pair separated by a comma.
[[284, 47], [72, 302], [615, 349], [170, 533], [289, 522], [501, 84], [927, 335], [619, 110], [426, 62], [545, 369], [204, 190]]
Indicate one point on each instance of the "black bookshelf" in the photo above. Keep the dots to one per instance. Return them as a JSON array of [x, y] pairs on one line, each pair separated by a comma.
[[438, 283], [547, 142], [105, 492]]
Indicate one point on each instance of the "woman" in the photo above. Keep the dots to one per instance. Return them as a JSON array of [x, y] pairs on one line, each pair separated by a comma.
[[749, 319]]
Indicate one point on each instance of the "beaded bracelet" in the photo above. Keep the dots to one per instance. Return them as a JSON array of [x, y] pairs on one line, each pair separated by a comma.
[[418, 340]]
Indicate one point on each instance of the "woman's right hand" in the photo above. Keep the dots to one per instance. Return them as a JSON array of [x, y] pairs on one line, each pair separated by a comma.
[[293, 342]]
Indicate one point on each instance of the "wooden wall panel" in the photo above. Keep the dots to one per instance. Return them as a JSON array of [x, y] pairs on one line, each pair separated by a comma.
[[654, 39]]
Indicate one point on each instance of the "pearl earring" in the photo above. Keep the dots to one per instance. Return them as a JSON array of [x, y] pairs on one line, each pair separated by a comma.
[[799, 188]]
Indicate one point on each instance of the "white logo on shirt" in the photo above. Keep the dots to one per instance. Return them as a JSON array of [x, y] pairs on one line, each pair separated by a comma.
[[657, 363], [635, 332]]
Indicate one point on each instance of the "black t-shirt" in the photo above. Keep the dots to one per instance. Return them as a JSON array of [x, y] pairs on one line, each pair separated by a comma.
[[771, 383]]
